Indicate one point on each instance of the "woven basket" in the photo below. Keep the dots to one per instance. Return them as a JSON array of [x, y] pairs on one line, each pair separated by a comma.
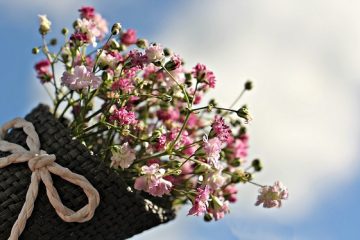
[[121, 214]]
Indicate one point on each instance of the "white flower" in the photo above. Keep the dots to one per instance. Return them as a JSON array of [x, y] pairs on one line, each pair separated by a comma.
[[106, 59], [215, 179], [122, 156], [155, 53], [89, 28], [45, 24]]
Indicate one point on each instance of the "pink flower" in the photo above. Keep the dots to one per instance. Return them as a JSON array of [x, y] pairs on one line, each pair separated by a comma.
[[161, 188], [123, 116], [212, 149], [200, 203], [187, 168], [79, 38], [174, 63], [222, 131], [152, 181], [89, 29], [160, 143], [152, 72], [171, 114], [202, 74], [193, 121], [123, 156], [42, 69], [101, 25], [129, 37], [123, 84], [230, 193], [137, 59], [240, 147], [271, 196], [220, 208], [154, 53], [82, 78], [186, 140], [87, 12]]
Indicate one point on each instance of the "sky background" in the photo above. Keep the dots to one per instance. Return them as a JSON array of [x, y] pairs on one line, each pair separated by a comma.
[[303, 57]]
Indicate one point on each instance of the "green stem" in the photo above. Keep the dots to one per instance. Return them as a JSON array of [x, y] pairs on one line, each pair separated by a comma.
[[60, 101], [46, 52], [153, 156], [236, 100], [181, 130], [101, 51], [256, 184], [180, 86]]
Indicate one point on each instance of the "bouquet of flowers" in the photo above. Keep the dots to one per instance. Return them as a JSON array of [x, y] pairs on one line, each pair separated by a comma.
[[135, 106]]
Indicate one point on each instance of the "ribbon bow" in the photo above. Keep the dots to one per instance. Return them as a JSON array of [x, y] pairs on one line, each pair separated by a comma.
[[42, 164]]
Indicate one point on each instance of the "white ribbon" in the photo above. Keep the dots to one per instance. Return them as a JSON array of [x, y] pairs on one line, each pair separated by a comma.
[[42, 164]]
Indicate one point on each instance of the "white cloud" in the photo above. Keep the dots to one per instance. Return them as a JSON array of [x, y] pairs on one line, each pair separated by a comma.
[[301, 57]]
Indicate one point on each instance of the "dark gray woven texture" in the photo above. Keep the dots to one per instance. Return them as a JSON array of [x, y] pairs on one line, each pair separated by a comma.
[[121, 214]]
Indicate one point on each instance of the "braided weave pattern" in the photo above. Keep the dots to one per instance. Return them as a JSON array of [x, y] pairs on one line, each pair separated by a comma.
[[121, 214]]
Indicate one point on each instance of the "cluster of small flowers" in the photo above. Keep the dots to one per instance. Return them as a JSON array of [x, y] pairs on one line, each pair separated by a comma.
[[148, 125]]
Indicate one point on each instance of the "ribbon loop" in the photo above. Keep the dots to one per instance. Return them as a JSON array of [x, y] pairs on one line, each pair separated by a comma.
[[42, 164]]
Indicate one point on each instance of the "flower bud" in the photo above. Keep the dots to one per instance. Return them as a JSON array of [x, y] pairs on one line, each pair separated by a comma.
[[176, 172], [217, 203], [75, 24], [240, 176], [243, 112], [53, 41], [208, 217], [174, 63], [35, 50], [257, 165], [125, 131], [222, 154], [188, 77], [247, 177], [156, 134], [114, 44], [167, 52], [65, 57], [146, 144], [242, 130], [116, 28], [105, 76], [177, 164], [123, 48], [166, 98], [236, 162], [64, 31], [142, 43], [45, 24], [248, 85], [213, 102]]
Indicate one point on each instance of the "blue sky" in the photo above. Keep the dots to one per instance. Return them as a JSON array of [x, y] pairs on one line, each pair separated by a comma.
[[304, 59]]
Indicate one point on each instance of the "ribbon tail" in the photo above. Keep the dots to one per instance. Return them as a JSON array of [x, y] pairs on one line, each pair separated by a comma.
[[27, 208]]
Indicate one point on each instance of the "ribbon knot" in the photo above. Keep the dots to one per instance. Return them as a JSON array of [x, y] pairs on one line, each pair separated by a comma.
[[42, 164], [41, 160]]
